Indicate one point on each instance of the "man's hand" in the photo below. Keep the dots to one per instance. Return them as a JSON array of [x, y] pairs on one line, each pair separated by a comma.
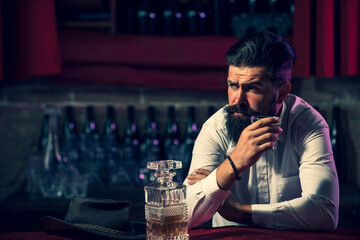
[[253, 142], [233, 211], [197, 175]]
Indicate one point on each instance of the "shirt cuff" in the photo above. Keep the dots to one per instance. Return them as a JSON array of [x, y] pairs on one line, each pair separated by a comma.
[[261, 214], [211, 189]]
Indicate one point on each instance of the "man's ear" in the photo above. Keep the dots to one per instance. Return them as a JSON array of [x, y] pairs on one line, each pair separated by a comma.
[[283, 91]]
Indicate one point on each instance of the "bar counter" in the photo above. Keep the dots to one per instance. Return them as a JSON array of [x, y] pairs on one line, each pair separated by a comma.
[[224, 233], [20, 218]]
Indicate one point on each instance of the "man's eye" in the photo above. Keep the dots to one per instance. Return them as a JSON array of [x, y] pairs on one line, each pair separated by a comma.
[[233, 85], [252, 88]]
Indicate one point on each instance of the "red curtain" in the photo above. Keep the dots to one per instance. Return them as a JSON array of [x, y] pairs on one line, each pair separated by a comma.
[[302, 37], [30, 39], [317, 26], [325, 38], [349, 27]]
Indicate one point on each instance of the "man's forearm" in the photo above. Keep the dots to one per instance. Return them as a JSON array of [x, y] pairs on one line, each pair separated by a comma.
[[204, 198], [235, 212]]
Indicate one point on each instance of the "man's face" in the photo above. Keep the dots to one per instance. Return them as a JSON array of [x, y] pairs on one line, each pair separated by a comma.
[[250, 93]]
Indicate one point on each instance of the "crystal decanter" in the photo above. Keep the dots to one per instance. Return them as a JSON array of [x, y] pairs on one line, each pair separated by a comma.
[[165, 203]]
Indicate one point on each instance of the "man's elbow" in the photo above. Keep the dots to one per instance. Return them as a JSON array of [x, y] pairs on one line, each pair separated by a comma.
[[323, 213], [325, 220], [328, 223]]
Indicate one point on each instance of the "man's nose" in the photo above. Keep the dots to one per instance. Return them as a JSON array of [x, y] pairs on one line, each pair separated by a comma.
[[240, 97]]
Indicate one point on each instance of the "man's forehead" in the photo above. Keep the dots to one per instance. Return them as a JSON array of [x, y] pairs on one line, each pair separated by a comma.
[[247, 74]]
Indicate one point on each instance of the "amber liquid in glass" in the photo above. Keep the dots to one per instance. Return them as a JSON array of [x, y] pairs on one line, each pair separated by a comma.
[[171, 226]]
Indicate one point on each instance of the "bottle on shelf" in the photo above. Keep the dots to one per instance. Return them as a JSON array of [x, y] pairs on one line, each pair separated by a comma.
[[90, 136], [191, 134], [125, 173], [110, 135], [111, 145], [192, 17], [180, 18], [172, 145], [172, 138], [92, 154], [72, 182], [148, 18], [169, 17], [142, 14], [50, 178], [206, 18], [69, 139], [150, 147], [165, 203], [132, 156], [36, 161], [44, 133]]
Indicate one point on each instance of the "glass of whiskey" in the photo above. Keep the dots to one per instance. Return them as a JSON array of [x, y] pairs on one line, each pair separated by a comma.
[[256, 118], [165, 203]]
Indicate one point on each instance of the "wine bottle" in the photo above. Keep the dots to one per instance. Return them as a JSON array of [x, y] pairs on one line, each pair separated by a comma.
[[44, 133], [150, 147], [110, 136], [91, 151], [142, 15], [69, 140], [192, 17], [50, 179], [131, 132], [169, 17], [126, 170], [111, 146], [69, 127], [191, 134], [180, 18], [36, 161], [205, 18], [171, 141], [147, 18]]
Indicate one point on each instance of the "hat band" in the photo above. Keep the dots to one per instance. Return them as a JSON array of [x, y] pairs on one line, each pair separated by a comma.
[[104, 229]]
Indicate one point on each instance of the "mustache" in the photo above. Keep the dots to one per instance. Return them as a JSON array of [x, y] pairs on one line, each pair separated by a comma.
[[247, 111]]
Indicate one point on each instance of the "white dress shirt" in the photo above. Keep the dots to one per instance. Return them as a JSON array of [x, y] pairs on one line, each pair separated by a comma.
[[293, 187]]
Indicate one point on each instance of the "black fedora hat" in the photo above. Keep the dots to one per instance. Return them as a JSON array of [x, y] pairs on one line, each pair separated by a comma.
[[89, 218]]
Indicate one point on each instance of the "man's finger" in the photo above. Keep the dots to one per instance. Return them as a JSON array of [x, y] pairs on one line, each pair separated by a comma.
[[264, 122], [202, 171]]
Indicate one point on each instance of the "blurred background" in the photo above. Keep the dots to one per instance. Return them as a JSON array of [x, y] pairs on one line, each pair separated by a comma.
[[92, 90]]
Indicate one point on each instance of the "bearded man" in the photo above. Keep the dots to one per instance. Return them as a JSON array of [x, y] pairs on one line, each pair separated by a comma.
[[237, 175]]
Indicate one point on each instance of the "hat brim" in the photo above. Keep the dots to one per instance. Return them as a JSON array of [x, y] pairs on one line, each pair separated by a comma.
[[60, 227]]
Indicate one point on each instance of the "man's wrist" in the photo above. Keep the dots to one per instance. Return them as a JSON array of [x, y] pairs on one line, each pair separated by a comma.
[[237, 177]]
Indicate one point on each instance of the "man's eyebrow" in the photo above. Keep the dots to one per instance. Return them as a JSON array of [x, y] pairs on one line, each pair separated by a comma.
[[256, 82], [229, 81]]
